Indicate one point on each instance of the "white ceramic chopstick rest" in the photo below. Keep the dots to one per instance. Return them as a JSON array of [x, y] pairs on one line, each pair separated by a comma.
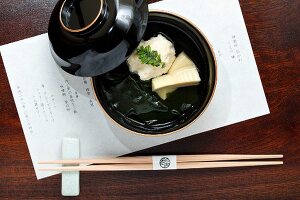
[[70, 185], [164, 162]]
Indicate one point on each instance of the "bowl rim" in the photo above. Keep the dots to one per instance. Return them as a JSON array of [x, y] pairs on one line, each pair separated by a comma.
[[206, 106]]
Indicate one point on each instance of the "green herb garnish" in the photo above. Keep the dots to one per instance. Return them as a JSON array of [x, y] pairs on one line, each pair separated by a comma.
[[148, 56]]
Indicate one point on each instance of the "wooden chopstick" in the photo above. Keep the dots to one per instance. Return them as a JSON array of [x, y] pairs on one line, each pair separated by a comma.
[[148, 159], [148, 166]]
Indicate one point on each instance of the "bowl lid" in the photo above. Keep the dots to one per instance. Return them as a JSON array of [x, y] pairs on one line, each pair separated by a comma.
[[91, 37]]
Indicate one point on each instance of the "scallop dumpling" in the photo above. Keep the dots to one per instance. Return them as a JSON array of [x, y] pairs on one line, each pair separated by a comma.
[[152, 58]]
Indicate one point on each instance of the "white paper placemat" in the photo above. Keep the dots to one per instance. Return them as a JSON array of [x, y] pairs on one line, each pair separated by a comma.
[[52, 104]]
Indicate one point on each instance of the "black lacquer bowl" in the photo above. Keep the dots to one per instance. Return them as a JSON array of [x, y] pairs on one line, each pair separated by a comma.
[[130, 102]]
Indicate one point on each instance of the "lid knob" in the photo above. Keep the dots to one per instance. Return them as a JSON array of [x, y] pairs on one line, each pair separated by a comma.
[[80, 15]]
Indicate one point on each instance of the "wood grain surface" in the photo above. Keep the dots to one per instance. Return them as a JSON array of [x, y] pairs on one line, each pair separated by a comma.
[[274, 30]]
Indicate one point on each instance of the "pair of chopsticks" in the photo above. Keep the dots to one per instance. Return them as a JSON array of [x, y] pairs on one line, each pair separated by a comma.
[[146, 162]]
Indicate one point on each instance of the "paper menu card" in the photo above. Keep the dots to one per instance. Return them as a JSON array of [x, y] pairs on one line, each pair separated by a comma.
[[53, 104]]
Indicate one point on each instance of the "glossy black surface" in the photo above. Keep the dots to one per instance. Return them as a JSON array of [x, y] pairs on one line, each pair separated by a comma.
[[104, 45], [131, 102], [77, 14]]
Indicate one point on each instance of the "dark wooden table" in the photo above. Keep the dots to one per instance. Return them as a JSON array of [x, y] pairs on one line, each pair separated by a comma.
[[274, 29]]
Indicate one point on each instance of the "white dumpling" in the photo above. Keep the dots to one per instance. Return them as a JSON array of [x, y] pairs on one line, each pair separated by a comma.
[[146, 71]]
